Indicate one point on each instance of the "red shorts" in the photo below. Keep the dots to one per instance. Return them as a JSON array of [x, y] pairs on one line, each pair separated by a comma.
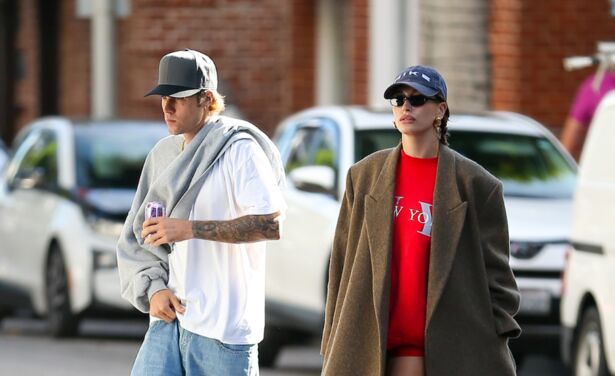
[[406, 351]]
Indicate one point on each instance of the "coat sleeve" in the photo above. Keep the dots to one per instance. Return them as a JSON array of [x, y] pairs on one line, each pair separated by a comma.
[[495, 242], [336, 263]]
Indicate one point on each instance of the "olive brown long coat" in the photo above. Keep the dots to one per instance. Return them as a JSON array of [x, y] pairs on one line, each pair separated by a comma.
[[472, 295]]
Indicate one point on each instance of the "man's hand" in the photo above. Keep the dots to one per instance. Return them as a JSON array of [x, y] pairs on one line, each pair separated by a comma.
[[164, 305], [161, 230]]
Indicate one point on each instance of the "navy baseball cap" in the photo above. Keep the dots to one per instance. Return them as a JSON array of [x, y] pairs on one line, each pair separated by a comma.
[[422, 78], [185, 73]]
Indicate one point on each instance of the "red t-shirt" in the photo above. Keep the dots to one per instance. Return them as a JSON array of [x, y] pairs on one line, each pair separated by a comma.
[[413, 202]]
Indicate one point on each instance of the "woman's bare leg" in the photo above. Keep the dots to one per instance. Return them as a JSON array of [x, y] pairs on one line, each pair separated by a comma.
[[406, 366]]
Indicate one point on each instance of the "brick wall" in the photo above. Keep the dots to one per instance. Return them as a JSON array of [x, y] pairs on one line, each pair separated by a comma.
[[356, 39], [528, 42], [502, 54], [302, 71], [264, 52], [74, 62], [505, 46], [453, 39], [250, 42], [26, 84]]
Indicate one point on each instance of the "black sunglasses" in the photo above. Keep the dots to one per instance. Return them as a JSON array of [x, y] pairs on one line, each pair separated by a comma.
[[414, 100]]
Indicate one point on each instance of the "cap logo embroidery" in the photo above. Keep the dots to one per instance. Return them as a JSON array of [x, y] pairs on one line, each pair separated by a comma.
[[413, 73]]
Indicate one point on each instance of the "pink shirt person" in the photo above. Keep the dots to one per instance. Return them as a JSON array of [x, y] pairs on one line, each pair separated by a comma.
[[582, 111], [587, 100]]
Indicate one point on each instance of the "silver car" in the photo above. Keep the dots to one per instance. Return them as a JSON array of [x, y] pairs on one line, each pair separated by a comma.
[[64, 196]]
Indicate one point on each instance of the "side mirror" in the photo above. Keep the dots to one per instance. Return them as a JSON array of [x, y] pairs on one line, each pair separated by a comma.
[[29, 179], [320, 179]]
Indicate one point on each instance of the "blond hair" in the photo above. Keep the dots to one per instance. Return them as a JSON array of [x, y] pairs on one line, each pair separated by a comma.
[[217, 104]]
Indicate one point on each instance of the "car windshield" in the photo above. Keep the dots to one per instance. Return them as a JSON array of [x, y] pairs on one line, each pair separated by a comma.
[[369, 141], [112, 156], [528, 166]]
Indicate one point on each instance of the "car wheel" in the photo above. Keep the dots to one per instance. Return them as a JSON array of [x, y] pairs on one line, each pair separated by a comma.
[[61, 321], [270, 346], [3, 314], [275, 339], [589, 359]]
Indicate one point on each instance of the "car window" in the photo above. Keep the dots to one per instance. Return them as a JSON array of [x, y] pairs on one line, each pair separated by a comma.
[[369, 141], [36, 158], [314, 145], [528, 166], [112, 157]]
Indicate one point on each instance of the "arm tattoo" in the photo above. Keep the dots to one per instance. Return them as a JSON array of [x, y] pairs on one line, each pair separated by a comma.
[[246, 229]]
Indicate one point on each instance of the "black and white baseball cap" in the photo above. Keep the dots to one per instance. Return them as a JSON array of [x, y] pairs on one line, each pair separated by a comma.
[[422, 78], [185, 73]]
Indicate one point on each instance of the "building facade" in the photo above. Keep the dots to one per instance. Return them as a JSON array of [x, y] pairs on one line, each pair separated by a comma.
[[275, 57]]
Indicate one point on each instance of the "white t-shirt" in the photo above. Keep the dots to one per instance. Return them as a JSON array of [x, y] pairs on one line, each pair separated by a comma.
[[222, 285]]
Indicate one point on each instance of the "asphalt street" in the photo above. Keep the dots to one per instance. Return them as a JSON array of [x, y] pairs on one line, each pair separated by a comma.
[[106, 347]]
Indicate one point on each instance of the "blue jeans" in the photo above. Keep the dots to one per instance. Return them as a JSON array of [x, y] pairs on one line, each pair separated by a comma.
[[169, 350]]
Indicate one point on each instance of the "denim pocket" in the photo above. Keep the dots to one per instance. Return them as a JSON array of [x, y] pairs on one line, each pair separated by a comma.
[[235, 348]]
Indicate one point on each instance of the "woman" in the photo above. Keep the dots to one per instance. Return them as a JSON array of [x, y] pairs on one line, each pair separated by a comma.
[[419, 281]]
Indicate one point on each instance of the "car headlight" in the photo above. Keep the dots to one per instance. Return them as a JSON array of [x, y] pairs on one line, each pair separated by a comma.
[[105, 226], [525, 250]]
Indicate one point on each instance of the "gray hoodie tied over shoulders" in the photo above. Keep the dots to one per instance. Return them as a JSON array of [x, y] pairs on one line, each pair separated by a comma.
[[174, 177]]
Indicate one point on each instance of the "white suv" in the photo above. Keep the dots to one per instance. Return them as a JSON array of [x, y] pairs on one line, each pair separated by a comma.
[[588, 300], [64, 196], [319, 145]]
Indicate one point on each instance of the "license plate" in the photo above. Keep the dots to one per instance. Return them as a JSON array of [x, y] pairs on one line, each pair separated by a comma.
[[536, 302]]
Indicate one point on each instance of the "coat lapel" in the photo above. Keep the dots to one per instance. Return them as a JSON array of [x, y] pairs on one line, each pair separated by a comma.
[[379, 222], [447, 222]]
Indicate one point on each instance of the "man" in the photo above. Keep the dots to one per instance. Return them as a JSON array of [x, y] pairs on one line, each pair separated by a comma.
[[199, 272]]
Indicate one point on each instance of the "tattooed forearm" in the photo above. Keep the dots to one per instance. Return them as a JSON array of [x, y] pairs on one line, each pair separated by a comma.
[[250, 228]]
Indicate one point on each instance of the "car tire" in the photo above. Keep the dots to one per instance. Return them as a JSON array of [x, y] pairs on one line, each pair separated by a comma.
[[61, 321], [3, 314], [275, 339], [270, 346], [589, 358]]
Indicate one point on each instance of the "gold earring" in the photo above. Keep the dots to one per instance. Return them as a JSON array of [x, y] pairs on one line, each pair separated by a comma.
[[436, 124]]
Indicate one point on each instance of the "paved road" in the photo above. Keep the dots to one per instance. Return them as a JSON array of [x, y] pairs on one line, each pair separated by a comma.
[[108, 348], [104, 348]]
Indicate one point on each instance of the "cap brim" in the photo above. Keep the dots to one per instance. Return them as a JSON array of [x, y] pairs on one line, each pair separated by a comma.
[[173, 91], [393, 89]]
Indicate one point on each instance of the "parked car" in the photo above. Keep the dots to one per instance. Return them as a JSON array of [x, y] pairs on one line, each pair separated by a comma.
[[319, 145], [64, 197], [588, 298]]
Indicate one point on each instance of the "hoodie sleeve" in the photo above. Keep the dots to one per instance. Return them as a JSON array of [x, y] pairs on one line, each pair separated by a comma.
[[143, 269]]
